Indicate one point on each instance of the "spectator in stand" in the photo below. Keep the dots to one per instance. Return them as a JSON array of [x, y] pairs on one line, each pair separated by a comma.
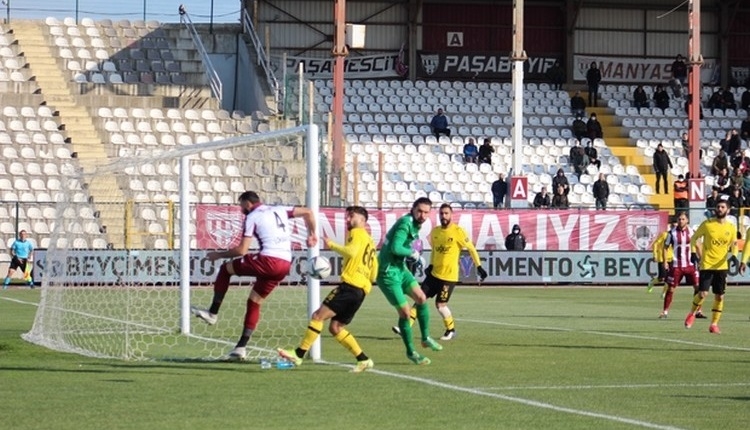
[[679, 70], [560, 199], [735, 161], [731, 143], [745, 100], [578, 159], [579, 128], [577, 105], [745, 128], [661, 98], [640, 98], [499, 190], [746, 183], [736, 201], [515, 241], [594, 127], [685, 143], [662, 165], [716, 100], [486, 151], [556, 76], [720, 162], [723, 182], [593, 78], [736, 180], [561, 180], [541, 200], [592, 154], [712, 199], [727, 99], [688, 101], [471, 151], [601, 192], [439, 124], [680, 195]]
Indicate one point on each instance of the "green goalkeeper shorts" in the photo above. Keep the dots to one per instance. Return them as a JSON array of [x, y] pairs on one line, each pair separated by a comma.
[[396, 283]]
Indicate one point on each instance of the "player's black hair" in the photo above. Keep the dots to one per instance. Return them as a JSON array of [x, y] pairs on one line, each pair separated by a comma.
[[446, 205], [421, 201], [250, 196], [358, 210]]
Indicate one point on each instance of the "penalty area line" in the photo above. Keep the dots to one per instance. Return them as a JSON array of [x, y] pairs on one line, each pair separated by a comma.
[[605, 333], [513, 399]]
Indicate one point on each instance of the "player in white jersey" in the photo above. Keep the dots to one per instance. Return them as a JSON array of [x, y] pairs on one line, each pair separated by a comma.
[[678, 238], [270, 265]]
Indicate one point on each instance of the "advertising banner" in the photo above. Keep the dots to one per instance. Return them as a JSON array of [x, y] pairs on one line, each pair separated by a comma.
[[563, 230], [155, 268], [478, 65], [627, 70], [355, 67]]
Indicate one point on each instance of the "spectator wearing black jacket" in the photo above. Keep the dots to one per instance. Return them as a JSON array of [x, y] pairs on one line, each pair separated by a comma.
[[499, 190], [662, 165], [601, 192], [542, 200], [593, 79], [594, 127], [640, 98], [561, 179], [515, 241]]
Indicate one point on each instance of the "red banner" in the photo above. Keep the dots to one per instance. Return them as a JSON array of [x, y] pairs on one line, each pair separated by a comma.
[[220, 227]]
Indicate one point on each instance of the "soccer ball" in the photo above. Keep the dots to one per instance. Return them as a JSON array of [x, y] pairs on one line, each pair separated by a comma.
[[319, 268]]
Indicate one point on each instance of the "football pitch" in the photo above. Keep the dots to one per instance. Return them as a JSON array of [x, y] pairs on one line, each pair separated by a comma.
[[524, 358]]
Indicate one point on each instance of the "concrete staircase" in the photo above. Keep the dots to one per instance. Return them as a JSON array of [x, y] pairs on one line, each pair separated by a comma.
[[624, 149], [86, 142]]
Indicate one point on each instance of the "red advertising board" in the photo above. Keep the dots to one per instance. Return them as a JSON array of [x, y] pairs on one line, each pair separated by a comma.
[[220, 227]]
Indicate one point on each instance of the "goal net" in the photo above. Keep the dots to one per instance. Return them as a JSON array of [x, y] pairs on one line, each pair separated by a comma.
[[127, 251]]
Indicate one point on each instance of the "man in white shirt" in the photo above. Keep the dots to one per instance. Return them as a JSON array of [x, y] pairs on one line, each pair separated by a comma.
[[270, 265]]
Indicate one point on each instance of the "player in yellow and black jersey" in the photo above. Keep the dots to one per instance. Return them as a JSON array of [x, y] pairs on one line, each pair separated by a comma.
[[718, 239], [442, 274], [359, 272]]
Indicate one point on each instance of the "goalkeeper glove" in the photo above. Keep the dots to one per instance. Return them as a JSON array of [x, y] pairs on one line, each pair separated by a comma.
[[414, 257], [482, 273], [733, 261], [694, 258]]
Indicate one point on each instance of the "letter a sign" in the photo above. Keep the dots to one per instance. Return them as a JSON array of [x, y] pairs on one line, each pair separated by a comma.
[[697, 190], [519, 188], [455, 39]]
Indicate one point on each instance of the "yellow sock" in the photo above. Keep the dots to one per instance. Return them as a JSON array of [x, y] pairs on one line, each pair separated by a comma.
[[313, 331], [449, 323], [716, 310], [697, 302], [348, 341], [412, 315]]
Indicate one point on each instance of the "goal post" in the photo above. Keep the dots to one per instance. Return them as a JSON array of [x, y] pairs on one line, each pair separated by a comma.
[[134, 302]]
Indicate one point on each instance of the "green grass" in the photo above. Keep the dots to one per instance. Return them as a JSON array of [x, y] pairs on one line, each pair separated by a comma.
[[524, 358]]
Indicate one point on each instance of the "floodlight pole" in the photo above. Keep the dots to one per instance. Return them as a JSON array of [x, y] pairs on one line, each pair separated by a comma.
[[696, 184], [339, 52], [517, 56], [694, 86]]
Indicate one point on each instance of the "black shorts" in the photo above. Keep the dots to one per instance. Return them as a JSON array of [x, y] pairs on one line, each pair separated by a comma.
[[345, 301], [434, 287], [716, 280], [16, 263]]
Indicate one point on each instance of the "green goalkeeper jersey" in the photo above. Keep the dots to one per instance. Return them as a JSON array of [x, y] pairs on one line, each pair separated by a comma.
[[397, 244]]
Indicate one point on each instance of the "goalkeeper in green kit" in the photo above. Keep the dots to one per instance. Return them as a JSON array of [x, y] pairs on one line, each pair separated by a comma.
[[397, 283]]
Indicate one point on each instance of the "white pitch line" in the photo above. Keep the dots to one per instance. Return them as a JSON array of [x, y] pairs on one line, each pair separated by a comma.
[[605, 333], [527, 402], [624, 386]]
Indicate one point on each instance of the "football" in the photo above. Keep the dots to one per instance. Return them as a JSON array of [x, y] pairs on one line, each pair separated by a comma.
[[320, 268]]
